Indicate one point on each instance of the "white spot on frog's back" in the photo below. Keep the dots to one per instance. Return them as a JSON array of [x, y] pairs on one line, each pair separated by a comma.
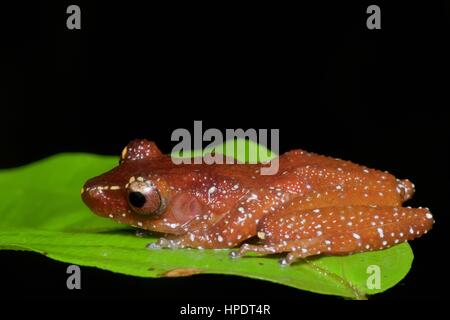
[[380, 232], [356, 236]]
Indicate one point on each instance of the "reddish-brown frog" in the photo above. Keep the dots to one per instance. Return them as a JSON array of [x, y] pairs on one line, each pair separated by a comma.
[[313, 205]]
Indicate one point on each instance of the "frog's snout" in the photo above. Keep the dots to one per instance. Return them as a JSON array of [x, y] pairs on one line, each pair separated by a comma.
[[101, 200]]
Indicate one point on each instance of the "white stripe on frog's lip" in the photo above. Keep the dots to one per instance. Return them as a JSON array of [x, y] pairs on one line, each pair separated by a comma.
[[101, 188]]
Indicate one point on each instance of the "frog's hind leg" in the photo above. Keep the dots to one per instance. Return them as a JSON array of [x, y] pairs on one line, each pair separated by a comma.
[[271, 248], [296, 250], [261, 249], [338, 230]]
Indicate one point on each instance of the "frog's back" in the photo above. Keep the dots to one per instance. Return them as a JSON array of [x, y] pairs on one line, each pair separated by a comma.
[[299, 171]]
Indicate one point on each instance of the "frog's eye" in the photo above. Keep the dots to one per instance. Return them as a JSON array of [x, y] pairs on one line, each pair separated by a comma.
[[144, 198]]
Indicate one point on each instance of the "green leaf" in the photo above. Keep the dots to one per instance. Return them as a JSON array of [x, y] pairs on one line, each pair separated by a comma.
[[41, 210]]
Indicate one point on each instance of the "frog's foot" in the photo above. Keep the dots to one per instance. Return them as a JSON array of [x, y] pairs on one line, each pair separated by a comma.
[[169, 243], [291, 257], [197, 240], [261, 249]]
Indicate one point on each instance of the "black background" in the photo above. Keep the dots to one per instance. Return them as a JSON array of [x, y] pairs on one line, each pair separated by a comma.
[[376, 97]]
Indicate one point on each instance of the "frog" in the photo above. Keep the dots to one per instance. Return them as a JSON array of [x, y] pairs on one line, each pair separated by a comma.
[[314, 205]]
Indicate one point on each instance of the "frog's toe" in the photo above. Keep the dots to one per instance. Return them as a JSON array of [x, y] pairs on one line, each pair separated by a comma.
[[235, 254], [290, 258], [165, 243], [153, 245], [242, 251], [284, 262]]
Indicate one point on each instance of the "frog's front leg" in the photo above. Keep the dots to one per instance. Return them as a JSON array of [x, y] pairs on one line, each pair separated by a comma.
[[234, 227], [171, 241], [337, 230]]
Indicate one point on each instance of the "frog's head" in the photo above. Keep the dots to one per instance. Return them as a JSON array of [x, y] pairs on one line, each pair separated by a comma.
[[138, 192]]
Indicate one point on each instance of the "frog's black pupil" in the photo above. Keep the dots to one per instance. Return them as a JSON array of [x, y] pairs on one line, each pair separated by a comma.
[[136, 199]]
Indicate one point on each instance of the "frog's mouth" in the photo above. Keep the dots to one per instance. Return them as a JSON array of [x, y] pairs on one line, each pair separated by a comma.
[[105, 200]]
